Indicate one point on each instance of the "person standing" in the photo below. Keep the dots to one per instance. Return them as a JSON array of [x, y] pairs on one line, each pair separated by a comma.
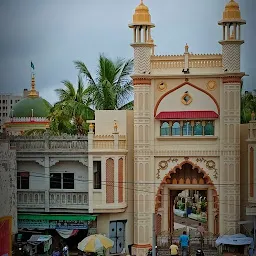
[[184, 243], [174, 249], [201, 232]]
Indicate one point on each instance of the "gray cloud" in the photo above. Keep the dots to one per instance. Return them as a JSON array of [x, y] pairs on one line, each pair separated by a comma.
[[55, 33]]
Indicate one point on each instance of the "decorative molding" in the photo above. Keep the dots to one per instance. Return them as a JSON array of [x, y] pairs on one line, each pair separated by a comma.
[[40, 161], [231, 80], [162, 86], [83, 161], [186, 98], [179, 86], [162, 165], [52, 162], [210, 165], [141, 81], [211, 85]]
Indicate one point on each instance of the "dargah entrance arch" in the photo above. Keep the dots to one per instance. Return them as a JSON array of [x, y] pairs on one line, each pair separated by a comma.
[[186, 176]]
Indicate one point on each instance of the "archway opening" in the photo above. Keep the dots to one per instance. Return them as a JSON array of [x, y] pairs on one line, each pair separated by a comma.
[[183, 196]]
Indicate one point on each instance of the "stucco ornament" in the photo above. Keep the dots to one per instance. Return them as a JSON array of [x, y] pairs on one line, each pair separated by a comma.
[[186, 98], [163, 165], [211, 85], [162, 86], [210, 165]]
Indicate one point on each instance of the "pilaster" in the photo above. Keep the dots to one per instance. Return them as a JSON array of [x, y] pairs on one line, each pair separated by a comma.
[[230, 156], [143, 195], [47, 183]]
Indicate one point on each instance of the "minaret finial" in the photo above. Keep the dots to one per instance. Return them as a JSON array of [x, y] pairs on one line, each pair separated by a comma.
[[141, 1], [33, 92]]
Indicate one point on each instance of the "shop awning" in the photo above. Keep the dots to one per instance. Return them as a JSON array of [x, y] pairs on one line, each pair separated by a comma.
[[59, 217], [186, 115]]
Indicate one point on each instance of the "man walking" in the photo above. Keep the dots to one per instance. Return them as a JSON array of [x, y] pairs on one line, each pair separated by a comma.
[[184, 243]]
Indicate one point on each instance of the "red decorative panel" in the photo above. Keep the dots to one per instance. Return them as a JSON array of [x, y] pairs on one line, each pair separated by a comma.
[[143, 81], [6, 236], [158, 223], [196, 114], [251, 181], [120, 180], [110, 186], [232, 80]]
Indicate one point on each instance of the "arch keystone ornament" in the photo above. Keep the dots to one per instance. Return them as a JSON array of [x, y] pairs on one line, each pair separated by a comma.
[[196, 176]]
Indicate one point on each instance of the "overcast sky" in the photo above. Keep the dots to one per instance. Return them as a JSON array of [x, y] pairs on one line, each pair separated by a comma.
[[54, 33]]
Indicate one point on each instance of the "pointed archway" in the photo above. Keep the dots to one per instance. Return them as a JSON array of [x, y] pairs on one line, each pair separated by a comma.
[[187, 173]]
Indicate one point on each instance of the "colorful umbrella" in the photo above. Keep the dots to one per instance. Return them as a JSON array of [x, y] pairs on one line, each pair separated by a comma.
[[93, 243]]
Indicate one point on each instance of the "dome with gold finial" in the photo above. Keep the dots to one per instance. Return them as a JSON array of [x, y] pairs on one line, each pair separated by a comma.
[[141, 15], [232, 11], [32, 105]]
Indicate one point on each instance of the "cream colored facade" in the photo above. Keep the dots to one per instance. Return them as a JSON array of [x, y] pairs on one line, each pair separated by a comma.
[[173, 97], [110, 143], [251, 207]]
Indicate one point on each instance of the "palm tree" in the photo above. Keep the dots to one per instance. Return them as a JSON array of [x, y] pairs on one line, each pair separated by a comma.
[[112, 89], [72, 110]]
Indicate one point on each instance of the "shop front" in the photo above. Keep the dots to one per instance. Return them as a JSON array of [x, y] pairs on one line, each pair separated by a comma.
[[64, 229]]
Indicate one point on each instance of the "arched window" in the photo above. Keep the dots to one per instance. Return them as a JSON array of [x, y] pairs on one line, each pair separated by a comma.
[[198, 128], [187, 129], [209, 128], [165, 129], [176, 129]]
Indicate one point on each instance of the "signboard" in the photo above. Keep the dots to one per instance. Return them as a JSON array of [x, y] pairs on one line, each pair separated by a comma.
[[6, 236], [52, 224]]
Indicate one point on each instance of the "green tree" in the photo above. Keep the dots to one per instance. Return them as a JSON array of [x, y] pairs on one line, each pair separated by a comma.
[[112, 87], [248, 105], [70, 113]]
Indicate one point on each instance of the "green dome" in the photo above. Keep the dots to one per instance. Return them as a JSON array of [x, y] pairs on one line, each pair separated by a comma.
[[41, 108]]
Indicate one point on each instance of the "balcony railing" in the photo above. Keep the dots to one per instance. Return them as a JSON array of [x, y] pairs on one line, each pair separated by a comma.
[[57, 200], [49, 143], [68, 199], [109, 142], [30, 199]]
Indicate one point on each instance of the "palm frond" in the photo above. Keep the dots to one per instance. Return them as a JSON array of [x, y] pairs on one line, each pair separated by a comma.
[[85, 71]]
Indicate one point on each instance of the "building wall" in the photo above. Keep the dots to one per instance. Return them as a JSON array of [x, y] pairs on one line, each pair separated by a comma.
[[244, 169], [7, 101], [111, 209], [8, 187], [108, 119], [38, 179]]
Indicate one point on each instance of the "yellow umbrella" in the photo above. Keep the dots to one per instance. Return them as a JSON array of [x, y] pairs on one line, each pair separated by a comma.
[[93, 243]]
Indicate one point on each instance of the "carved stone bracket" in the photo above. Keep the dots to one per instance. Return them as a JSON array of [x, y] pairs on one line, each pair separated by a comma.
[[40, 161], [210, 165], [53, 162], [83, 161]]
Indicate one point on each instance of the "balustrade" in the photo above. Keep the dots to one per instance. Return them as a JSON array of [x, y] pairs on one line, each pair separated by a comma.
[[108, 142], [36, 199], [49, 143], [68, 199], [30, 199]]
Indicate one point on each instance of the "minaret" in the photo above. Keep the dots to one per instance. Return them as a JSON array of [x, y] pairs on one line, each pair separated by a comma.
[[142, 41], [229, 188], [231, 40], [143, 46], [33, 93]]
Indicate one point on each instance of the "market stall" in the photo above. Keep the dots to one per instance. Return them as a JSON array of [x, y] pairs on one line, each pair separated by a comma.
[[40, 245]]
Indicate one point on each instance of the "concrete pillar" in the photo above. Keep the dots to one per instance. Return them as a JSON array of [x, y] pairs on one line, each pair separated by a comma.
[[210, 210], [47, 183]]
